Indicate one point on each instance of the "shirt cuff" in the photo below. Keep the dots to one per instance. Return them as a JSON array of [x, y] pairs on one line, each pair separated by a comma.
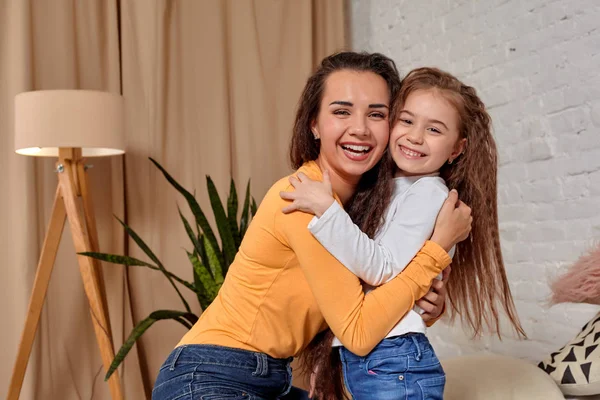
[[437, 252], [316, 223]]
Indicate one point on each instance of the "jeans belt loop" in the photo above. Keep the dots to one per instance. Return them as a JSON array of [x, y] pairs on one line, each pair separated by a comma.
[[176, 357], [262, 365], [416, 343]]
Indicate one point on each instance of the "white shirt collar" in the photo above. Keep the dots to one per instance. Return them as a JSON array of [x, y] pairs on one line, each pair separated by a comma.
[[403, 182]]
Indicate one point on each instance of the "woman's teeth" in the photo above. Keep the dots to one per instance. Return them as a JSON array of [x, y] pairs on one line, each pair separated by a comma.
[[356, 148]]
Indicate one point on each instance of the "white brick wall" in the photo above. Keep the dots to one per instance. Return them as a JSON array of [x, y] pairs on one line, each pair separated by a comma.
[[536, 65]]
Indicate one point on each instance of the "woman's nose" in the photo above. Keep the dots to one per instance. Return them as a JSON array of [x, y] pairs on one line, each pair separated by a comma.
[[359, 127]]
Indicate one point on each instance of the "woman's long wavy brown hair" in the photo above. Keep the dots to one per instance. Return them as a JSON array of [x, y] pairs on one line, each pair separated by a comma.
[[304, 148], [478, 287]]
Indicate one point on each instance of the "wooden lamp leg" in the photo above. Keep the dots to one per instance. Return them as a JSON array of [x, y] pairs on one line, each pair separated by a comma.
[[38, 294], [72, 182], [90, 221], [91, 281]]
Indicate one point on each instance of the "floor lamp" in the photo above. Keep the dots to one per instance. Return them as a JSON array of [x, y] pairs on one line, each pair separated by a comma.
[[70, 125]]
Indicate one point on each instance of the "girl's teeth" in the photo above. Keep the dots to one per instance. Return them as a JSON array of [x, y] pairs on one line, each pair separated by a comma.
[[411, 153]]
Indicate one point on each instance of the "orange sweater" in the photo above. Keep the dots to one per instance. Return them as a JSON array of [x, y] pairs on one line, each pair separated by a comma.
[[284, 287]]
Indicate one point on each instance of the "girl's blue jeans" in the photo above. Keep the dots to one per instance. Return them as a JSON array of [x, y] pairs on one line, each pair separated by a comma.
[[399, 368], [209, 372]]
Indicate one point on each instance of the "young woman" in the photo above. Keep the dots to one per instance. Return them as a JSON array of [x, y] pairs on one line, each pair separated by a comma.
[[442, 136], [283, 286]]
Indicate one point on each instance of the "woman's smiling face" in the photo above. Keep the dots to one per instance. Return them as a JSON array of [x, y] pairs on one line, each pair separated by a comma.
[[353, 123]]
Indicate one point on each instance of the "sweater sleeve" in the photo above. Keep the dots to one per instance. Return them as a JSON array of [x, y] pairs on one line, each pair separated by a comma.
[[359, 320], [411, 217]]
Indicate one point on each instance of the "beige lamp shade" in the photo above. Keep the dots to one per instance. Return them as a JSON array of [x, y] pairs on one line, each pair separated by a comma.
[[48, 119]]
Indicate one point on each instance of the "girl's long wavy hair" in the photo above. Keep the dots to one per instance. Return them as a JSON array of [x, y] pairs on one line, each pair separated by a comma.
[[478, 288]]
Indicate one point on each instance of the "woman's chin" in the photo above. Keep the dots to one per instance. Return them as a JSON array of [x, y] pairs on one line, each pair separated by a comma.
[[358, 169], [352, 168]]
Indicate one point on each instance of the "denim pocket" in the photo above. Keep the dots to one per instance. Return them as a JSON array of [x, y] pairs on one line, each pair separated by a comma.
[[388, 366], [221, 393], [174, 387], [432, 388], [382, 380]]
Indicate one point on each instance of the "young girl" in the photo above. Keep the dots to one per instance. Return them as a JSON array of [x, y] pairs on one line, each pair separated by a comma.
[[441, 138]]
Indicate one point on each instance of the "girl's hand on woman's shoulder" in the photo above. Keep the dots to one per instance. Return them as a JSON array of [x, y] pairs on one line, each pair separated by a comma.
[[313, 197], [453, 224]]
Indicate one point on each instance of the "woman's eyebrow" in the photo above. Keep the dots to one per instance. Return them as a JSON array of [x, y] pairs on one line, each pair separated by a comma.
[[378, 105], [350, 104], [342, 103]]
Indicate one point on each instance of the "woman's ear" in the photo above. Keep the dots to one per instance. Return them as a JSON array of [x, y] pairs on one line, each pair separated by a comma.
[[315, 130]]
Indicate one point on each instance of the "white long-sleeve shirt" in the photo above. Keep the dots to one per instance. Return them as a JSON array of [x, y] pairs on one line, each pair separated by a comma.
[[409, 222]]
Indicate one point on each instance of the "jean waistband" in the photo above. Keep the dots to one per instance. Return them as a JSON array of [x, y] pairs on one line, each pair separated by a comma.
[[417, 338], [261, 363], [409, 343]]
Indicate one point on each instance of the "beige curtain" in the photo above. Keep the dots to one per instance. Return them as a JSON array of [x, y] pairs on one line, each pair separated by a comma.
[[210, 89], [56, 45]]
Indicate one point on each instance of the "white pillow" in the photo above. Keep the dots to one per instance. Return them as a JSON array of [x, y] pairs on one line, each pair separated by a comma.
[[494, 377]]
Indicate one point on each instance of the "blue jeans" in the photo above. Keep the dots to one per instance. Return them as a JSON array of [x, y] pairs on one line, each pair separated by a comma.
[[403, 367], [210, 372]]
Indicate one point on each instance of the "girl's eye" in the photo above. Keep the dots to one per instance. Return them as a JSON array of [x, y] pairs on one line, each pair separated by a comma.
[[341, 112], [406, 121], [435, 130]]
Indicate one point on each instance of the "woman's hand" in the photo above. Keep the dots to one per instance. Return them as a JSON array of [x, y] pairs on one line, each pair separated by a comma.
[[433, 302], [453, 224], [313, 197]]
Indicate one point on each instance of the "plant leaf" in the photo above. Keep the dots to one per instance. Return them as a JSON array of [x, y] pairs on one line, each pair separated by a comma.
[[192, 203], [202, 251], [232, 209], [254, 208], [142, 327], [213, 262], [206, 287], [229, 249], [117, 259], [133, 262], [191, 318], [138, 240], [192, 235], [244, 221]]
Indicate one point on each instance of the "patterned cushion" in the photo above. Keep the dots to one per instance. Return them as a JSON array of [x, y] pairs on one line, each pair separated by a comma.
[[576, 366]]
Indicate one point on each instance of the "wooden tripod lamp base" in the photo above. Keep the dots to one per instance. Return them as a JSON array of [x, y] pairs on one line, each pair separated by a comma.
[[93, 121]]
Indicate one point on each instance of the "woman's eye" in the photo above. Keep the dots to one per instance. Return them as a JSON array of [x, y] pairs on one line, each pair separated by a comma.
[[378, 115], [341, 112]]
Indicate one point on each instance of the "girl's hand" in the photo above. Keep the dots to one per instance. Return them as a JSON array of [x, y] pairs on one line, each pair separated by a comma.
[[433, 302], [453, 224], [310, 196]]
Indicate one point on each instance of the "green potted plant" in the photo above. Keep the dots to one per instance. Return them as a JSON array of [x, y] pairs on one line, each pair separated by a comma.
[[209, 260]]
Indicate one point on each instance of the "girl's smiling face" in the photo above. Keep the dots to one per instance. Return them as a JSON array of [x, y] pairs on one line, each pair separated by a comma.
[[426, 134]]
